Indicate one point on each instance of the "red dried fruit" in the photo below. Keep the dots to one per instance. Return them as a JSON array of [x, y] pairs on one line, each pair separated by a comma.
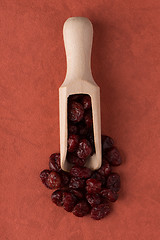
[[82, 129], [81, 172], [109, 194], [53, 180], [93, 199], [86, 101], [65, 178], [81, 209], [113, 157], [105, 169], [57, 197], [72, 129], [44, 175], [90, 138], [69, 201], [105, 200], [84, 149], [107, 143], [113, 182], [100, 211], [76, 160], [77, 183], [54, 162], [93, 185], [88, 119], [99, 177], [75, 111], [101, 185], [72, 143], [78, 193]]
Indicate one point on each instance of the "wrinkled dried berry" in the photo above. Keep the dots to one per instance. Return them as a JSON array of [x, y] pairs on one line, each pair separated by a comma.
[[54, 162], [105, 169], [76, 111], [44, 175], [72, 129], [88, 119], [93, 199], [99, 177], [78, 193], [53, 180], [84, 149], [113, 156], [57, 197], [109, 194], [93, 185], [82, 129], [76, 160], [69, 201], [81, 209], [72, 143], [65, 178], [81, 189], [107, 143], [86, 102], [113, 182], [100, 211], [90, 138], [81, 172], [77, 183]]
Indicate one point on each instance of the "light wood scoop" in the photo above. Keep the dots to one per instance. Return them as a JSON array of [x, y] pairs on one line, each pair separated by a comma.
[[78, 36]]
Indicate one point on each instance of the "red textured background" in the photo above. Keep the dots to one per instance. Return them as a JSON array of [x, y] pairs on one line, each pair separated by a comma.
[[126, 65]]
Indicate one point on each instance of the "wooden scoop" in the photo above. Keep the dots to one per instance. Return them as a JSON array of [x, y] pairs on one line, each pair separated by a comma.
[[78, 36]]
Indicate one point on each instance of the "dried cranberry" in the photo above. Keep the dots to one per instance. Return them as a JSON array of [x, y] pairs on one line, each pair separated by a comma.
[[81, 209], [53, 180], [88, 119], [84, 149], [105, 200], [82, 129], [72, 129], [78, 193], [86, 101], [100, 211], [77, 183], [90, 138], [54, 162], [81, 189], [72, 143], [93, 185], [44, 175], [105, 169], [93, 199], [107, 143], [76, 160], [81, 172], [99, 177], [65, 178], [69, 201], [113, 157], [57, 197], [109, 194], [75, 111], [113, 182]]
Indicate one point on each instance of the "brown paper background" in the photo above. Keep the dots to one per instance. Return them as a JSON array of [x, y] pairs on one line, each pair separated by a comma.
[[126, 66]]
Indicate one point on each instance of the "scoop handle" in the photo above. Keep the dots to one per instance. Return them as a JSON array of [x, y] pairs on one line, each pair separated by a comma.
[[78, 37]]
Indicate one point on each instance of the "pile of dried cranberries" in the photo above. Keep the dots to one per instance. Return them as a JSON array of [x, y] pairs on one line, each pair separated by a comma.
[[83, 191]]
